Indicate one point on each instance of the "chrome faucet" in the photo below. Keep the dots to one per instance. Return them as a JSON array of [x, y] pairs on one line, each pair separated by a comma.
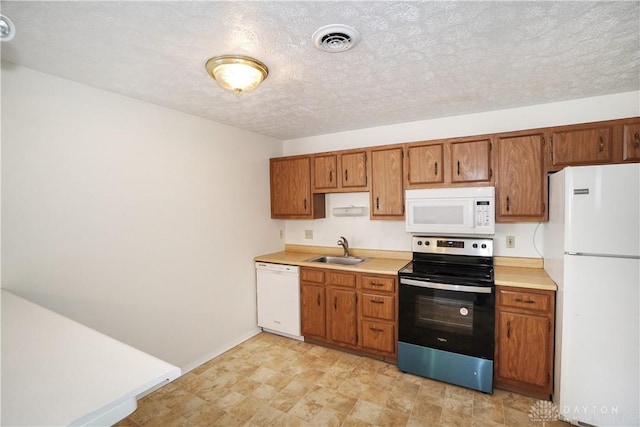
[[342, 241]]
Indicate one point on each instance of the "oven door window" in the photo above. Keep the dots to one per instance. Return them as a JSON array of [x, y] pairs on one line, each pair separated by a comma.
[[459, 322], [446, 314]]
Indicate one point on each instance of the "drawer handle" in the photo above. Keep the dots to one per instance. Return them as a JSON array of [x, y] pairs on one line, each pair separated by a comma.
[[335, 303], [373, 301], [318, 300], [509, 329], [458, 167], [376, 329], [436, 171], [525, 302], [377, 284]]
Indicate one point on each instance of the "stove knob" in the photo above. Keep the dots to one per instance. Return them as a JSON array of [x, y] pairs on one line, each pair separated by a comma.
[[419, 242], [475, 246], [484, 246], [427, 243]]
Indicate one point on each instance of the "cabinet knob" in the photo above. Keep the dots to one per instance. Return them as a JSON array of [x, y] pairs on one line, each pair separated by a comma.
[[636, 138]]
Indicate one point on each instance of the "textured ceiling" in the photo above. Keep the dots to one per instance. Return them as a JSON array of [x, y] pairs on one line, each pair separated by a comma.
[[416, 60]]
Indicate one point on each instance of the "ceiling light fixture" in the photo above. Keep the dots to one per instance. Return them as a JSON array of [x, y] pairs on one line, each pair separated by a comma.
[[7, 29], [237, 73]]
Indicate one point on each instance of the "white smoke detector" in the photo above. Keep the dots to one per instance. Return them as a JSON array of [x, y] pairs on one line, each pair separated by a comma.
[[335, 38]]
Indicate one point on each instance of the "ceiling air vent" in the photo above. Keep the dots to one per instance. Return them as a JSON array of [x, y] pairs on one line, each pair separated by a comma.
[[335, 38]]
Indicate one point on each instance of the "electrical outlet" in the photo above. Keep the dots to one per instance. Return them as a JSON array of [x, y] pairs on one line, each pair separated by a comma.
[[308, 234], [511, 241], [281, 234]]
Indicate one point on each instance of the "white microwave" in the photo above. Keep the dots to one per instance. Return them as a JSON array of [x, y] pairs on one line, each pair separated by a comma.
[[461, 210]]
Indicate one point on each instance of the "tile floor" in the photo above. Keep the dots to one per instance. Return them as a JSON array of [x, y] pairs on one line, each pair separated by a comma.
[[274, 381]]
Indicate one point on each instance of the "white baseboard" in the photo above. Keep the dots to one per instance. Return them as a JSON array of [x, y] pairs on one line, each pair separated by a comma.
[[201, 361]]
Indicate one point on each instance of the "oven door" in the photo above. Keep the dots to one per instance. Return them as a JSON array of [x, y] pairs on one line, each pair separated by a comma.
[[454, 318]]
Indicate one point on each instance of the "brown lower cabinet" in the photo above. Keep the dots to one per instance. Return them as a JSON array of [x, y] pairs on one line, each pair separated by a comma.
[[524, 341], [357, 311]]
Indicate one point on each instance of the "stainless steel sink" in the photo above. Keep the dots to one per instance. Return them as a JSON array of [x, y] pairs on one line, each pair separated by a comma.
[[342, 260]]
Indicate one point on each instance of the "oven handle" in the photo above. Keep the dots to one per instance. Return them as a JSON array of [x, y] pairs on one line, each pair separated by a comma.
[[446, 287]]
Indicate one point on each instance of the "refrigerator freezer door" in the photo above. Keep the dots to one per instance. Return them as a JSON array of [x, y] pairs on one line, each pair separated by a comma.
[[597, 369], [603, 210]]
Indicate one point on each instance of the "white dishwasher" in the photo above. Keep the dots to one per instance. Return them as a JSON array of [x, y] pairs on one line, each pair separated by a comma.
[[278, 289]]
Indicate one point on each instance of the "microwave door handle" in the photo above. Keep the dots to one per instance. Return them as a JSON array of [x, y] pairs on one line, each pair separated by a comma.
[[447, 287]]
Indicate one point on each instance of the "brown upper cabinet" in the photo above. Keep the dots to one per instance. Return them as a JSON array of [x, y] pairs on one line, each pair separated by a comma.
[[425, 164], [613, 141], [580, 145], [450, 162], [631, 142], [340, 172], [521, 181], [291, 196], [387, 192], [471, 161]]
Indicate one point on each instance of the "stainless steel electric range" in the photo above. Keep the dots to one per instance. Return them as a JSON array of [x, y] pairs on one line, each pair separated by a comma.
[[447, 311]]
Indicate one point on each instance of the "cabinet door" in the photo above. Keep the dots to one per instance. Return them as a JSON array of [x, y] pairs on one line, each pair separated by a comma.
[[291, 196], [354, 170], [387, 194], [522, 352], [341, 306], [581, 146], [312, 312], [631, 147], [471, 161], [425, 165], [521, 187], [324, 172]]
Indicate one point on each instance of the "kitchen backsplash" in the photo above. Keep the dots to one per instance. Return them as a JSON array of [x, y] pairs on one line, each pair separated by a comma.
[[390, 235]]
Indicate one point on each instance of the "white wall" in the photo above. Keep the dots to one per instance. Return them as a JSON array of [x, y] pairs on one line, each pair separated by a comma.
[[136, 220], [364, 233]]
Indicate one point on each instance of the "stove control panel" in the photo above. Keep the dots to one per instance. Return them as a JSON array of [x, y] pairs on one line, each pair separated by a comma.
[[453, 245]]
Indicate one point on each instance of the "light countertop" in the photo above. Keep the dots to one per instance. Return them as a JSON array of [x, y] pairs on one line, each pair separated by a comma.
[[517, 272], [57, 372]]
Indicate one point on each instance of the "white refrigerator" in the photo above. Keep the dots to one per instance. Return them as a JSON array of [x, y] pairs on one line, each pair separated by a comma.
[[592, 252]]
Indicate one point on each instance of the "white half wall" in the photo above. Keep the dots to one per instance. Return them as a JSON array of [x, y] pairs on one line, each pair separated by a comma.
[[364, 233], [133, 219]]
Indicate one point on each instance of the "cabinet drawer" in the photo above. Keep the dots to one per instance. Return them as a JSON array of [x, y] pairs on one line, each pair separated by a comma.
[[378, 306], [378, 336], [341, 279], [312, 275], [378, 283], [526, 300]]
